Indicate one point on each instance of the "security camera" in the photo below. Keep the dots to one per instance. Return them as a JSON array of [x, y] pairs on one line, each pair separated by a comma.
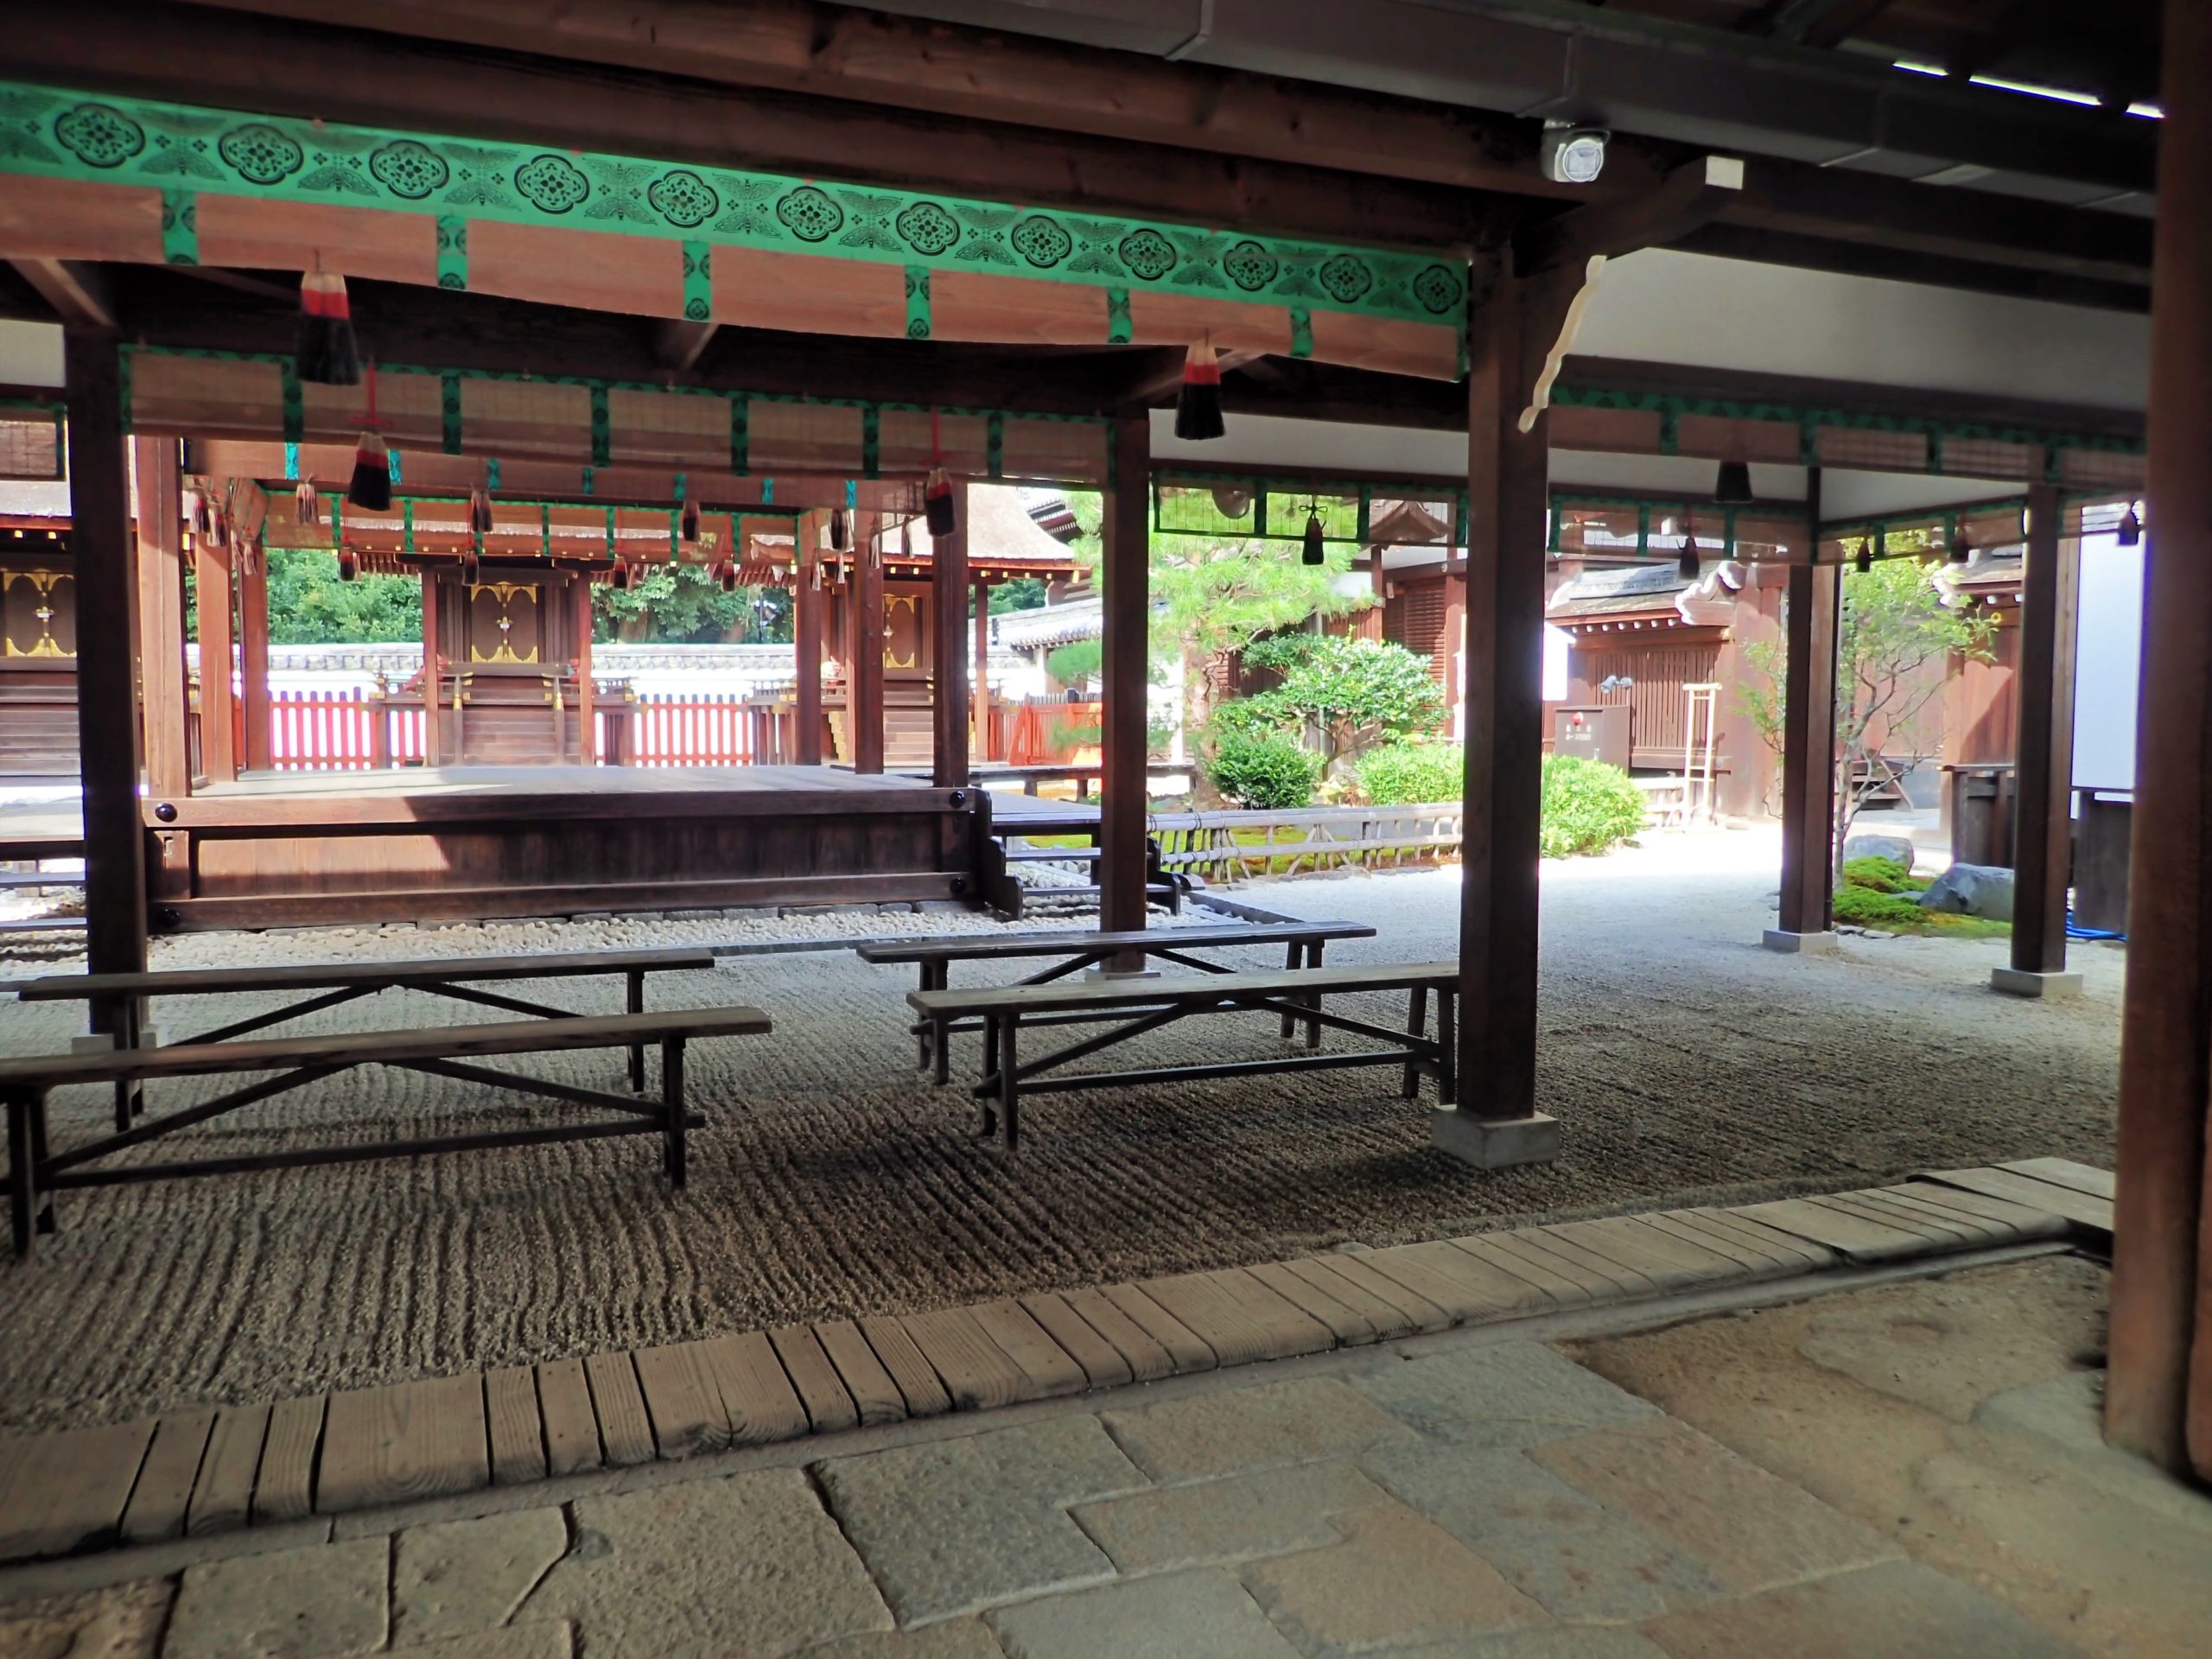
[[1574, 154]]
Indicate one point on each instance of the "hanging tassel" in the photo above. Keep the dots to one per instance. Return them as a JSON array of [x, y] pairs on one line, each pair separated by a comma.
[[1688, 565], [470, 570], [1197, 405], [218, 529], [729, 578], [840, 532], [936, 504], [203, 518], [480, 511], [370, 489], [817, 575], [326, 354], [1316, 549], [1962, 550], [690, 526], [307, 505], [621, 576], [349, 566]]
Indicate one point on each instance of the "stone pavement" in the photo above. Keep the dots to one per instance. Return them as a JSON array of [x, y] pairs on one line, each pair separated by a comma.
[[1440, 1498]]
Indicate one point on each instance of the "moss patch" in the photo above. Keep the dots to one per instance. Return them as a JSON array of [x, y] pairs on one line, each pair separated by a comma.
[[1877, 893]]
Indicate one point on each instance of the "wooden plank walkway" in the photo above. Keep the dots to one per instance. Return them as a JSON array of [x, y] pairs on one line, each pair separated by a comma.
[[203, 1470]]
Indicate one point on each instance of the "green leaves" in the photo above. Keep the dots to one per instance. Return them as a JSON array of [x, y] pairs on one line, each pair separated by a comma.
[[1357, 692]]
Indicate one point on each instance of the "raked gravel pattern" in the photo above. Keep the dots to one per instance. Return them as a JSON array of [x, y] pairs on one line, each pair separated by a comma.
[[1687, 1065]]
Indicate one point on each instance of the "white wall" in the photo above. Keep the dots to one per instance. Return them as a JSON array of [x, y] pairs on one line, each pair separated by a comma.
[[2108, 667]]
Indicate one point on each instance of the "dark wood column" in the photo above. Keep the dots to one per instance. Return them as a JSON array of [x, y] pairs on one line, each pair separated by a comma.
[[949, 608], [1812, 612], [864, 652], [156, 465], [433, 676], [212, 586], [107, 707], [1125, 581], [587, 688], [2042, 858], [1496, 1122], [2158, 1393], [979, 688], [808, 600], [253, 655]]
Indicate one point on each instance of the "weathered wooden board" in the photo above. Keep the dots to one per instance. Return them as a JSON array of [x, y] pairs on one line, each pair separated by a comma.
[[1345, 1322], [2019, 1219], [2080, 1208], [625, 1429], [1237, 1317], [164, 1494], [1466, 1288], [1724, 1228], [571, 1425], [1343, 1266], [1566, 1284], [284, 1490], [757, 1397], [1672, 1263], [223, 1495], [1103, 1367], [1050, 1369], [2064, 1171], [66, 1491], [1147, 1358], [1854, 1237], [409, 1440], [682, 1400], [517, 1433], [829, 1407], [1628, 1280], [919, 1386], [875, 1394], [976, 1371], [1945, 1229]]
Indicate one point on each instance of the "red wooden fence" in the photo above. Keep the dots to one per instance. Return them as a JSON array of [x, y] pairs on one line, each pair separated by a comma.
[[714, 729], [342, 731]]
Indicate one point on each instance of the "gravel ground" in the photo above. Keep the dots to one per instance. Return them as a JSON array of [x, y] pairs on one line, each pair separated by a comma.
[[1686, 1063]]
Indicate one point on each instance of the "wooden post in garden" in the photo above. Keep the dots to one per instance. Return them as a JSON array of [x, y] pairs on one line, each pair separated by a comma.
[[2158, 1391], [808, 600], [864, 654], [980, 686], [212, 588], [161, 615], [1813, 606], [2043, 855], [253, 655], [1127, 527], [948, 607]]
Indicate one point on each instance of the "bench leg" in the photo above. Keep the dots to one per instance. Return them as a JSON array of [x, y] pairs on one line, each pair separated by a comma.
[[40, 1151], [22, 1194], [671, 1094], [1293, 957], [928, 1033], [1314, 1026], [941, 1041], [1010, 1094], [1416, 1027], [637, 1005], [1448, 1046]]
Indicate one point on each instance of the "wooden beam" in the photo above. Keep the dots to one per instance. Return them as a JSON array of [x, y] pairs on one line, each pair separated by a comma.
[[1513, 322], [1691, 195], [2158, 1391], [2042, 862], [253, 657], [161, 616], [1125, 580], [980, 686], [949, 608], [1812, 608], [678, 345], [864, 652], [1814, 22], [107, 707], [78, 292], [213, 591]]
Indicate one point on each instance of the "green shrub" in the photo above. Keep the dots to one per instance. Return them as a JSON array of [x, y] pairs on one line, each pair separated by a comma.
[[1867, 907], [1247, 717], [1588, 806], [1879, 874], [1407, 774], [1264, 769]]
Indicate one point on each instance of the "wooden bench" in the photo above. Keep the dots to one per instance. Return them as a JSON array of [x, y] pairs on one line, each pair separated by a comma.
[[37, 1172], [1082, 948], [120, 997], [1142, 1006]]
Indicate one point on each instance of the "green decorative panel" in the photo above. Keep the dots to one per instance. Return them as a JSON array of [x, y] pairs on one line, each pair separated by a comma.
[[181, 150]]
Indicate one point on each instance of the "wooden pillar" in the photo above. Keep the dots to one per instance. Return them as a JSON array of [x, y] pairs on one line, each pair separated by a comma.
[[219, 760], [1125, 580], [161, 615], [587, 714], [948, 605], [2043, 859], [808, 600], [864, 652], [1496, 1122], [433, 673], [1814, 612], [2158, 1392], [107, 710], [1449, 643], [253, 655], [979, 688]]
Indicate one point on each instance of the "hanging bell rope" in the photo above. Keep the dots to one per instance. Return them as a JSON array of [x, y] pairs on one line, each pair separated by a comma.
[[1197, 404]]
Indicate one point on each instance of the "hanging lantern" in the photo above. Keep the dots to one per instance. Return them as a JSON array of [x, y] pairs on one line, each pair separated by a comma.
[[2130, 530], [937, 503], [1197, 405], [1731, 485], [1316, 545], [325, 353]]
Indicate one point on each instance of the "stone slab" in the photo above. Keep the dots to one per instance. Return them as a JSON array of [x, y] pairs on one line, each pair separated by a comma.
[[2018, 982], [1237, 1431], [323, 1601], [1899, 1610], [1239, 1519], [557, 1640], [1543, 1641], [954, 1526], [1192, 1613], [1396, 1579], [1799, 944], [1507, 1394], [457, 1577], [750, 1563], [1496, 1142], [956, 1638]]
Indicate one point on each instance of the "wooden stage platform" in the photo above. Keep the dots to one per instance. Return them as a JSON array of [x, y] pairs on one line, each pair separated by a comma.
[[298, 848]]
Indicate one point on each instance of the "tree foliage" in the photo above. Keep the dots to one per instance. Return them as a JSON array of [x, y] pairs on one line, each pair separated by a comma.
[[309, 606], [684, 604], [1356, 693]]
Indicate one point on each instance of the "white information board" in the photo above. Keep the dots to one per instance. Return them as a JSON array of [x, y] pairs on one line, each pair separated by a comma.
[[2109, 665]]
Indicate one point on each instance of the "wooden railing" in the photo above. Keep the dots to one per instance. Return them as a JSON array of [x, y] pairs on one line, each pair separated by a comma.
[[725, 728], [343, 731], [1226, 845]]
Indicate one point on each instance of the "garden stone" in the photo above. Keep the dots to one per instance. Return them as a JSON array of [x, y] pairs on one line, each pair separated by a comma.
[[1897, 848], [1983, 890], [319, 1603]]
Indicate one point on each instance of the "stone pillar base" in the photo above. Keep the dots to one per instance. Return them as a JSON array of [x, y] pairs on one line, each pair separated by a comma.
[[1799, 944], [2019, 982], [1495, 1143]]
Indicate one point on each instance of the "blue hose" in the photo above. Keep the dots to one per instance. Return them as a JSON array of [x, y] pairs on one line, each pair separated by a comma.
[[2075, 931]]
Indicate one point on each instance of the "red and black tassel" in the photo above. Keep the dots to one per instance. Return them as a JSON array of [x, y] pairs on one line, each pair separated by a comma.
[[480, 511], [840, 534], [938, 510], [371, 488], [621, 578], [349, 566], [729, 578], [691, 525], [1197, 405], [327, 353]]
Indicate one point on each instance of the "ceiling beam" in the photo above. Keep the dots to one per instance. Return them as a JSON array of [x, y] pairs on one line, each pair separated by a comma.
[[1814, 22], [679, 343], [1691, 195], [78, 293], [1935, 269]]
